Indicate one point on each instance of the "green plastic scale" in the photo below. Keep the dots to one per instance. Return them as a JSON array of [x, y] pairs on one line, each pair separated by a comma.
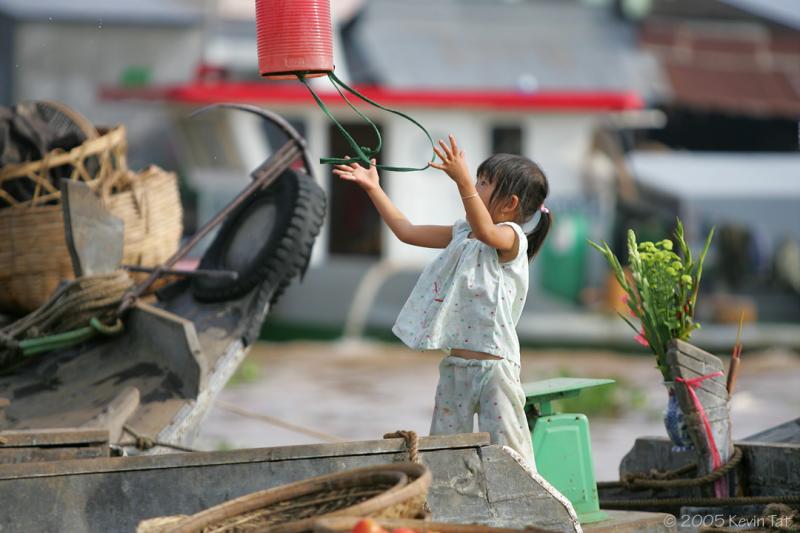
[[561, 445]]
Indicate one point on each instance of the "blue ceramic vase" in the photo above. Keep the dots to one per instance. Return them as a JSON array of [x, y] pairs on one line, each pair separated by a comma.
[[675, 422]]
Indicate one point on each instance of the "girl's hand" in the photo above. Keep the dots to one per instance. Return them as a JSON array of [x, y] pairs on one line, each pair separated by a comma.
[[453, 163], [366, 178]]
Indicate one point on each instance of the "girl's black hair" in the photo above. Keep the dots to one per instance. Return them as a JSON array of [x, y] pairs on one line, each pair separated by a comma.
[[515, 174]]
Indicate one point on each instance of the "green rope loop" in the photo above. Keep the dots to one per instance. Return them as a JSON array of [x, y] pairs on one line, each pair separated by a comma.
[[68, 338], [362, 154], [105, 329]]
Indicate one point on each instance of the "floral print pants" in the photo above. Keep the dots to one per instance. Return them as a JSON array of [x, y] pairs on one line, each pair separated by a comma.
[[492, 389]]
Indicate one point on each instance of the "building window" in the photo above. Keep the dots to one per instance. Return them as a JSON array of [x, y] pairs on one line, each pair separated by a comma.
[[355, 227], [507, 140]]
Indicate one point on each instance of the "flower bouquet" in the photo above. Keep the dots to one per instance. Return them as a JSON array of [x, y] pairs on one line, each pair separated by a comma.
[[661, 293]]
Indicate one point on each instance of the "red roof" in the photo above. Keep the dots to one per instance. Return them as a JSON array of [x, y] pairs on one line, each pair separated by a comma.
[[203, 92], [747, 91], [752, 73]]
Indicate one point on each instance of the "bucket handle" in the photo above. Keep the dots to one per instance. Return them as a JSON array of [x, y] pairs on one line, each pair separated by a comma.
[[362, 154]]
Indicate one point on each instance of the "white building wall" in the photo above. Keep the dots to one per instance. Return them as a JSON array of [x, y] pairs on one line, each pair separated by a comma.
[[427, 197], [559, 143], [319, 146]]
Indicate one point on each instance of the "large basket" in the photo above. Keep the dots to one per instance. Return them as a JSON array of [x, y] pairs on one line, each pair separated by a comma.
[[388, 491], [94, 162], [33, 251]]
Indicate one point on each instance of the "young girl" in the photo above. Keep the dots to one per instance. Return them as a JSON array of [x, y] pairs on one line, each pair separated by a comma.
[[468, 301]]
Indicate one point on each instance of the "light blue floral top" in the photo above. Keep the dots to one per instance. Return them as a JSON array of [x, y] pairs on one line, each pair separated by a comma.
[[467, 299]]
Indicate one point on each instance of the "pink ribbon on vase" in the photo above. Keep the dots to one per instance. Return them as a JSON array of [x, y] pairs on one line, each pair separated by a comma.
[[720, 487]]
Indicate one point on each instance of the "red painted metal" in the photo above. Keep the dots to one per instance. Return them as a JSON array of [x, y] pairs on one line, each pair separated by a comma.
[[294, 36], [295, 94]]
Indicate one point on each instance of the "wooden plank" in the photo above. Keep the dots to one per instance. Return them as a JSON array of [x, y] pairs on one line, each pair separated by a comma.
[[788, 432], [52, 437], [18, 455], [712, 391], [710, 386], [254, 455], [687, 361], [709, 401], [692, 361], [701, 356], [116, 413], [718, 414]]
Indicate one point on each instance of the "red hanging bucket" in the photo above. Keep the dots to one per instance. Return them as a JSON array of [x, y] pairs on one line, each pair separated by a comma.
[[294, 36]]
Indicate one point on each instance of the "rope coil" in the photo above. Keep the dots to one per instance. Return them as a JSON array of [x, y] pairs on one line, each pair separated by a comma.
[[656, 479], [75, 313]]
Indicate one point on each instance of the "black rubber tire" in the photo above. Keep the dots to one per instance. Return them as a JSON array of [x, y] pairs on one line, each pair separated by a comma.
[[295, 205]]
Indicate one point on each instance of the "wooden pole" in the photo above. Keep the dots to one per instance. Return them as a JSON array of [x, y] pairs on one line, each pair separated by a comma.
[[735, 358]]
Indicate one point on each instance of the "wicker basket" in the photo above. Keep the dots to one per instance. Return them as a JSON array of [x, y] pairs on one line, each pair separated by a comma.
[[33, 252], [108, 152], [390, 491]]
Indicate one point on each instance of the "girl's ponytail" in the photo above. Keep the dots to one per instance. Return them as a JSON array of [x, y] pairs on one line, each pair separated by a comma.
[[537, 236]]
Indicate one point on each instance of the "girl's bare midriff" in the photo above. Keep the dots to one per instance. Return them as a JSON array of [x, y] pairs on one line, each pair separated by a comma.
[[469, 354]]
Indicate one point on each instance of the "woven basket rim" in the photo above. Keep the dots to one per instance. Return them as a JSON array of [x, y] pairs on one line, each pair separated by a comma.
[[151, 172], [107, 138], [411, 479]]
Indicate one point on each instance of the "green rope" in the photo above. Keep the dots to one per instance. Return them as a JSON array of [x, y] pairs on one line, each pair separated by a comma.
[[363, 154], [68, 338], [368, 151]]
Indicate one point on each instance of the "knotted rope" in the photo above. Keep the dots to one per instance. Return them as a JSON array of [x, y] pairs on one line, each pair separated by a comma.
[[412, 443], [76, 312], [144, 443]]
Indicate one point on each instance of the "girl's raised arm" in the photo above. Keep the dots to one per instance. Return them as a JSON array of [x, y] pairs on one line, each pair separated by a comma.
[[367, 179], [503, 238]]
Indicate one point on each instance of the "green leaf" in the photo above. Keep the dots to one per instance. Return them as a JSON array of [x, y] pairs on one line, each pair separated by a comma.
[[700, 261], [627, 321]]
